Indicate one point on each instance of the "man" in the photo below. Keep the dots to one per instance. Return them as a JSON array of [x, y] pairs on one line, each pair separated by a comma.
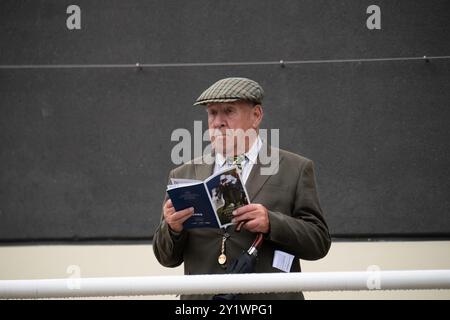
[[284, 205]]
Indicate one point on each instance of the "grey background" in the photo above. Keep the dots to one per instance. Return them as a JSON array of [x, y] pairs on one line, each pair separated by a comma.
[[85, 152]]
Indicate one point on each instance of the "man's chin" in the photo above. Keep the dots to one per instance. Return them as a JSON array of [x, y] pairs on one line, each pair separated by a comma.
[[223, 150]]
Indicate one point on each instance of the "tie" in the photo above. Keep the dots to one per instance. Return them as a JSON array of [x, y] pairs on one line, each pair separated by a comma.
[[237, 161]]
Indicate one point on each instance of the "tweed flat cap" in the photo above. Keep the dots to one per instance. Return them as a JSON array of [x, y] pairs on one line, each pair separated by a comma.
[[231, 89]]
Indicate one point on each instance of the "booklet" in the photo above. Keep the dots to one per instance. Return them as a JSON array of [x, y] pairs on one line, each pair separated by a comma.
[[213, 199]]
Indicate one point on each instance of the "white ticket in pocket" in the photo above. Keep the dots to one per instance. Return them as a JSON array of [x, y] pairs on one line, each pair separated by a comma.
[[282, 260]]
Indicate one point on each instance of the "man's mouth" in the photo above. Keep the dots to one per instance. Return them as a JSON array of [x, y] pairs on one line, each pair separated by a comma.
[[220, 134]]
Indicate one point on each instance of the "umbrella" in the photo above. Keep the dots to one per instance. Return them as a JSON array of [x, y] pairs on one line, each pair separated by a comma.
[[245, 263]]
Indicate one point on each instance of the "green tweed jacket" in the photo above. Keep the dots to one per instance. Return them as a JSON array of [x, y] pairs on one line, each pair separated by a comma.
[[297, 225]]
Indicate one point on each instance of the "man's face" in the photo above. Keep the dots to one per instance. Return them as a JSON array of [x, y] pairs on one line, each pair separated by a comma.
[[233, 126]]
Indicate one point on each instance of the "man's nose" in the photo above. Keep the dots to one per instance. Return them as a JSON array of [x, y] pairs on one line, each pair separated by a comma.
[[219, 121]]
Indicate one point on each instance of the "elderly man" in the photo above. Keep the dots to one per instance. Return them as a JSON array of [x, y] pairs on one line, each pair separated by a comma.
[[284, 205]]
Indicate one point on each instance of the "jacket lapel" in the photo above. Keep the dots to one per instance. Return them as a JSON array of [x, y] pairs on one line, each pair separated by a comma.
[[205, 168], [256, 180]]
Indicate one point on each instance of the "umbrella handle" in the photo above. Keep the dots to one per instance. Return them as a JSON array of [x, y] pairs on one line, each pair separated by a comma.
[[253, 250], [256, 243]]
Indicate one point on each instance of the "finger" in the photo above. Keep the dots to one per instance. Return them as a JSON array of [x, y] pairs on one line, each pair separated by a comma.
[[182, 220], [239, 226], [176, 218], [168, 204], [251, 225], [258, 225], [239, 221], [246, 216], [179, 215], [169, 212], [244, 209]]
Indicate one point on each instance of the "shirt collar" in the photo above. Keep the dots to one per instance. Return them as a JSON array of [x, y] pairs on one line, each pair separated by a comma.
[[251, 155]]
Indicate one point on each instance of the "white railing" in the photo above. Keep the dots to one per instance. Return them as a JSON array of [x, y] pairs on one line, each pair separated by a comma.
[[236, 283]]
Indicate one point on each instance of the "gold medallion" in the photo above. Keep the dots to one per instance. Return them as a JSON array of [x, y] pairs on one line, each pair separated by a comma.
[[222, 259]]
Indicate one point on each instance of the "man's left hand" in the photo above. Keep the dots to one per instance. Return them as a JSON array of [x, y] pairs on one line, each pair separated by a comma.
[[256, 215]]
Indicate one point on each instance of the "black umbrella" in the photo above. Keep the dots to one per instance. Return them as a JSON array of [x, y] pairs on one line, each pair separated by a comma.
[[245, 263]]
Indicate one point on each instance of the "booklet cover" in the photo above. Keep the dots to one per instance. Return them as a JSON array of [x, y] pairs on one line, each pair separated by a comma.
[[213, 200]]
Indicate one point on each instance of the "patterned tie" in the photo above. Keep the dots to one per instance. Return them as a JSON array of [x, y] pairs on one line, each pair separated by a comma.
[[237, 161]]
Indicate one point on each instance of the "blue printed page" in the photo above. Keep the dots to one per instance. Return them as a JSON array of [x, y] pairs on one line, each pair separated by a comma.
[[194, 195]]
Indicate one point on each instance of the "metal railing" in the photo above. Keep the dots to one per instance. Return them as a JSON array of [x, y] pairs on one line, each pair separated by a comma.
[[216, 284]]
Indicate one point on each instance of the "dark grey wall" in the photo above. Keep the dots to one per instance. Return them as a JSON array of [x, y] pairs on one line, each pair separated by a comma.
[[85, 152]]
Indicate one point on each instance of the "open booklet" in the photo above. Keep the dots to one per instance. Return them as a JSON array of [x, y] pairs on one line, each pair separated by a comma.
[[213, 199]]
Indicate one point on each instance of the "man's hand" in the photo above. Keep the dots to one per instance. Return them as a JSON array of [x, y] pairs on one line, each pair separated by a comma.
[[256, 215], [174, 218]]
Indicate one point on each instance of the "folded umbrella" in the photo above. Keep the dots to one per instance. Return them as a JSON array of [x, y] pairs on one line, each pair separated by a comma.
[[245, 263]]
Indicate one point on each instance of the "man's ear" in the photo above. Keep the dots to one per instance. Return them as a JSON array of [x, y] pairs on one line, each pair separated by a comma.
[[258, 114]]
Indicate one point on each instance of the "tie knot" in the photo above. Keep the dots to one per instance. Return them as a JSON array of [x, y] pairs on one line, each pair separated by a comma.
[[237, 160]]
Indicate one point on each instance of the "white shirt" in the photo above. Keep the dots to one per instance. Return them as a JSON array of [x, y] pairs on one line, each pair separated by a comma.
[[250, 159]]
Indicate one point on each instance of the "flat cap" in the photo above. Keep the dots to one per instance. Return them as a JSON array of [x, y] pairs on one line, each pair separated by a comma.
[[231, 89]]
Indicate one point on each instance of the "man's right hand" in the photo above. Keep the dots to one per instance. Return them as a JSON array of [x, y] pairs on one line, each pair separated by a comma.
[[174, 218]]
